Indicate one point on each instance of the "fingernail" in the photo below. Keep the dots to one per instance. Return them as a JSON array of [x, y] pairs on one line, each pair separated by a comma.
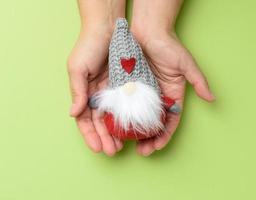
[[71, 112], [213, 96], [158, 147]]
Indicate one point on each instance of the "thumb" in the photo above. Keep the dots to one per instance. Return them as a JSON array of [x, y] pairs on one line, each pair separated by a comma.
[[79, 87], [196, 78]]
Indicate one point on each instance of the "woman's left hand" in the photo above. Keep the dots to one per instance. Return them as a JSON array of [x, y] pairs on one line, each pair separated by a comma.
[[173, 65]]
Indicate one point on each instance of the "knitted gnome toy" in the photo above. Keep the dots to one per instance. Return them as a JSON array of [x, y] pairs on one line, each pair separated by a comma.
[[133, 105]]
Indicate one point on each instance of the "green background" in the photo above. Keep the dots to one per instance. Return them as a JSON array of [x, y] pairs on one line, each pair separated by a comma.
[[43, 156]]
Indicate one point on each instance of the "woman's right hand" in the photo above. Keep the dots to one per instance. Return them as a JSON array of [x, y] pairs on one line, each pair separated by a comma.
[[88, 73]]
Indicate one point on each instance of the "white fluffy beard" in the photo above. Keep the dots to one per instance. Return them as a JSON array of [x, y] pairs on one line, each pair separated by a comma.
[[134, 106]]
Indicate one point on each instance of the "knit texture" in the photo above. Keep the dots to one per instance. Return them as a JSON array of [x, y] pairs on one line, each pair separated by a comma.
[[124, 48]]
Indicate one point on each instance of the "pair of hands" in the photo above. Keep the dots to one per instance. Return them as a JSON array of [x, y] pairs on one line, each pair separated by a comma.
[[88, 72]]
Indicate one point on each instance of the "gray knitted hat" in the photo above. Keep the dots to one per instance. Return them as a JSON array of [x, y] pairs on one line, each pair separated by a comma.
[[126, 60]]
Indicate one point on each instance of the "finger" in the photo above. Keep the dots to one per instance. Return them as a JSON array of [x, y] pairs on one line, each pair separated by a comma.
[[88, 130], [172, 119], [78, 85], [176, 91], [118, 143], [108, 143], [172, 122], [145, 147], [198, 81]]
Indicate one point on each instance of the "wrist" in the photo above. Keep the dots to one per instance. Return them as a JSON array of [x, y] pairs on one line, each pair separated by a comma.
[[99, 29], [154, 18], [146, 33], [155, 28], [99, 17]]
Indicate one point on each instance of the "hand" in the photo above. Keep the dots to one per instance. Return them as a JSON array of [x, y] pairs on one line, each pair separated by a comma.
[[173, 65], [88, 70], [88, 73]]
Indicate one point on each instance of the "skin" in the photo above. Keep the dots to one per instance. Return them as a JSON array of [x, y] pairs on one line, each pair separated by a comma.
[[88, 71], [169, 59]]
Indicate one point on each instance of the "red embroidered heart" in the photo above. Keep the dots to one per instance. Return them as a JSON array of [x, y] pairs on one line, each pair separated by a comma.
[[128, 64]]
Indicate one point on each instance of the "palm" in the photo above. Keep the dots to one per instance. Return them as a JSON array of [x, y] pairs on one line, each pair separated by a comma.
[[165, 58]]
